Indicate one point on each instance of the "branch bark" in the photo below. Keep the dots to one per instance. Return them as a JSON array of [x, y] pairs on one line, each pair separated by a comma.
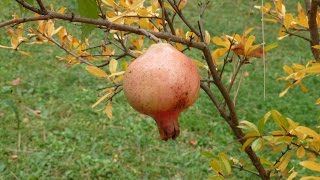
[[313, 28]]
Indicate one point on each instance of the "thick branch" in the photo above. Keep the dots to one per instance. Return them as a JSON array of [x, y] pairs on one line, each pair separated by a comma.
[[233, 119], [313, 29]]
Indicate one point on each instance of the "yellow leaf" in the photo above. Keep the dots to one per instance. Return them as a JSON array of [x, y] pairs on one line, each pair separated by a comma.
[[257, 144], [219, 41], [300, 152], [124, 65], [49, 28], [117, 74], [191, 35], [95, 71], [292, 175], [144, 23], [315, 69], [200, 64], [218, 53], [248, 44], [179, 46], [302, 19], [252, 134], [61, 10], [288, 18], [311, 165], [310, 178], [311, 156], [247, 143], [108, 2], [284, 161], [216, 166], [246, 32], [6, 47], [318, 101], [270, 20], [316, 46], [136, 4], [207, 37], [113, 66], [102, 98], [287, 69], [108, 110], [248, 125], [284, 92], [25, 53], [271, 46], [307, 131], [297, 67], [155, 5], [182, 4], [280, 8]]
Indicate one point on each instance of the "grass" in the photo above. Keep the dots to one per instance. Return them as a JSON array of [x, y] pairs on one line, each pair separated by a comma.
[[70, 140]]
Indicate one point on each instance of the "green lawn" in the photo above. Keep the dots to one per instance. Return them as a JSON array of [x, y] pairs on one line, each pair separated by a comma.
[[69, 139]]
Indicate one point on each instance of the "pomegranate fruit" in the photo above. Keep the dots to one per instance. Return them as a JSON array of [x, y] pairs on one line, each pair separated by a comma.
[[162, 83]]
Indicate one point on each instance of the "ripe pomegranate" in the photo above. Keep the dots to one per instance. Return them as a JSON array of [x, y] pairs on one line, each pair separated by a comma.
[[162, 83]]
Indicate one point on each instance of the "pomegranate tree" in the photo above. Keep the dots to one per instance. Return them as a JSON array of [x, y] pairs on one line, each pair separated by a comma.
[[162, 83]]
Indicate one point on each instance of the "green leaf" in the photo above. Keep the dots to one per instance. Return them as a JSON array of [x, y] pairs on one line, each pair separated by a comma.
[[216, 165], [257, 144], [248, 126], [207, 154], [88, 9], [279, 119], [262, 122], [247, 143], [223, 157]]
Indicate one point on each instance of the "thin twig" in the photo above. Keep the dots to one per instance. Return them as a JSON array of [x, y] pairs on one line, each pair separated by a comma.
[[297, 35], [82, 60], [208, 91], [103, 15], [307, 149], [235, 74], [282, 154], [241, 168], [238, 89], [226, 61], [163, 15], [110, 86], [176, 8]]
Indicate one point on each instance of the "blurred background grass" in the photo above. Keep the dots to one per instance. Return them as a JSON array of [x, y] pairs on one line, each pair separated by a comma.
[[70, 140]]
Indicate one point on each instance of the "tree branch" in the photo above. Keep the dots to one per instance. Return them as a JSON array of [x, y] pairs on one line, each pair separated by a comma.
[[176, 9], [233, 119], [298, 35], [82, 60], [241, 168], [43, 9], [313, 29]]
